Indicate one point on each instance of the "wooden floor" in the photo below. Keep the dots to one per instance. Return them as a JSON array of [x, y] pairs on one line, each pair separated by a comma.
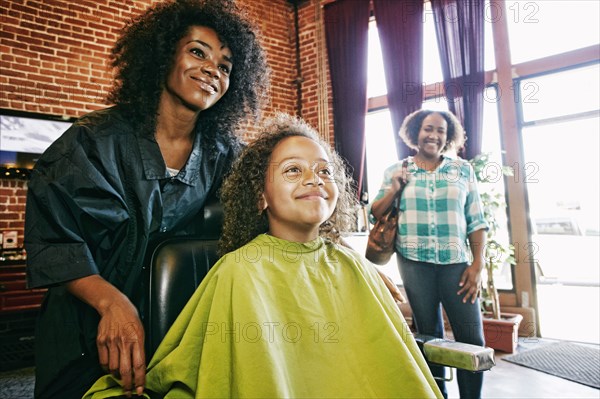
[[509, 380]]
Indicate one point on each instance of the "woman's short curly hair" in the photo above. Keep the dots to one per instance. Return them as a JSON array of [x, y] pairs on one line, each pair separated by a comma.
[[144, 55], [242, 189], [409, 132]]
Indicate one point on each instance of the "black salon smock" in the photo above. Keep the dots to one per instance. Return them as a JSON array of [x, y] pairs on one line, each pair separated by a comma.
[[97, 199]]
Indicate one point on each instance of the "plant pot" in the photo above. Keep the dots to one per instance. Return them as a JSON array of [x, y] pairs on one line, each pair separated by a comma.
[[503, 334]]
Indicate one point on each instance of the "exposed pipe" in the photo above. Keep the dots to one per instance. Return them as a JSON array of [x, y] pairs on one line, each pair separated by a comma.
[[299, 79]]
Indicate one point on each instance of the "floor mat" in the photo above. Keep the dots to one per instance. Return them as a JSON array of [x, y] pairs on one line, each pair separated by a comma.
[[574, 362], [17, 384]]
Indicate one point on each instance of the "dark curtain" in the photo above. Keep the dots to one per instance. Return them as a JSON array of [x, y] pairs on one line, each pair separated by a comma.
[[400, 26], [459, 27], [346, 30]]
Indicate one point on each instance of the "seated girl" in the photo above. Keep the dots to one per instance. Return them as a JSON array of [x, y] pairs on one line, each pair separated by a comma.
[[287, 312]]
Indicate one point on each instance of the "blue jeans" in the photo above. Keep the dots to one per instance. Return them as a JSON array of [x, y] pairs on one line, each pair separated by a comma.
[[427, 287]]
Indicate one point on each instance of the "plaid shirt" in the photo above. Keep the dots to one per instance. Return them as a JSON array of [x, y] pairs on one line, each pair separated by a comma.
[[439, 210]]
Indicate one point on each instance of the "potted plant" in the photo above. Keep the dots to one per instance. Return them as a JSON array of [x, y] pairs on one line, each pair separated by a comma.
[[500, 329]]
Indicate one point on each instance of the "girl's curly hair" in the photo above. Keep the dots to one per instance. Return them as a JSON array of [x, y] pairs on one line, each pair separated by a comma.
[[409, 132], [242, 189], [144, 54]]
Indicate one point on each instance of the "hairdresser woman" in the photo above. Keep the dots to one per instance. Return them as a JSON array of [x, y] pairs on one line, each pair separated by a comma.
[[441, 234], [186, 72]]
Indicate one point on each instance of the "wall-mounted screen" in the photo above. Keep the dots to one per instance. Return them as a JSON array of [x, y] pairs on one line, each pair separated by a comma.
[[24, 136]]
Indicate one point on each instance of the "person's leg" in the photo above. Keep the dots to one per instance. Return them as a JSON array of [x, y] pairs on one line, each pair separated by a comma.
[[422, 294], [465, 320]]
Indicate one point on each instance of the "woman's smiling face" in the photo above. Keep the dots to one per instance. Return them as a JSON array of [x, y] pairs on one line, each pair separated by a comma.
[[432, 136], [201, 69]]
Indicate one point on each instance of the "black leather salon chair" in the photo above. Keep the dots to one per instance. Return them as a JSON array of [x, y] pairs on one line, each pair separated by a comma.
[[176, 268]]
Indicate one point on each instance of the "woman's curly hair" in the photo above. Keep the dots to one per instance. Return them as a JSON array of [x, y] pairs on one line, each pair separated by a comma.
[[409, 132], [144, 55], [242, 189]]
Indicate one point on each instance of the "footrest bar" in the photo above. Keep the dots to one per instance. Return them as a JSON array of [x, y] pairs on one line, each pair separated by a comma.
[[456, 354]]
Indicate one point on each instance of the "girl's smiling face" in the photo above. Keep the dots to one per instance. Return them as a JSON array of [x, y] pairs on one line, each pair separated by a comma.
[[201, 69], [300, 192]]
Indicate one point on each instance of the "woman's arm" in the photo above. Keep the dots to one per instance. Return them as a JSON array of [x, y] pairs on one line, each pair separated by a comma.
[[120, 338]]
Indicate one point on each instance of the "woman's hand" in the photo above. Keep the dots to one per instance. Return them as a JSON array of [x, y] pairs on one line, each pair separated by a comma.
[[396, 294], [470, 281], [120, 343], [399, 179], [120, 339]]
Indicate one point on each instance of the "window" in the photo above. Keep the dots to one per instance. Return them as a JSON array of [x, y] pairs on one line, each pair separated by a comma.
[[561, 172], [539, 29], [381, 148], [544, 96], [432, 67], [376, 85], [491, 144]]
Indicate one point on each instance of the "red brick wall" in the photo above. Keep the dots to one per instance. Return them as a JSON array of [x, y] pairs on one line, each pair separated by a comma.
[[54, 52], [53, 61], [12, 206]]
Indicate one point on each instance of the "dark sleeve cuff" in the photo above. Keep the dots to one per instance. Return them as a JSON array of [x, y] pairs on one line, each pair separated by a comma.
[[52, 264]]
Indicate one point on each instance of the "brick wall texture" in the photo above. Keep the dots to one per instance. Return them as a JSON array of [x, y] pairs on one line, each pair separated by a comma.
[[53, 60]]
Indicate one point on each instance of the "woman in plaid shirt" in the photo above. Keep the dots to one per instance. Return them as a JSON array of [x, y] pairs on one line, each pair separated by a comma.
[[441, 234]]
